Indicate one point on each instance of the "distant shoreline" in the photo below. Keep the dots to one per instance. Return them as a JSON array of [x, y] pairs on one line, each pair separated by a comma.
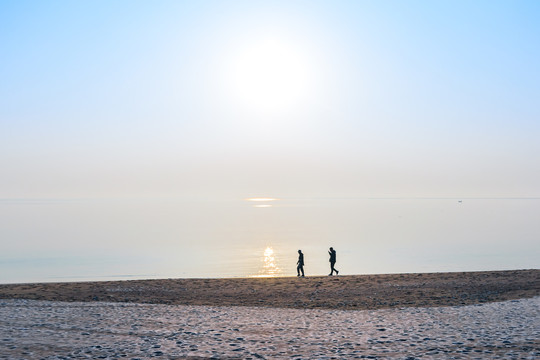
[[350, 292]]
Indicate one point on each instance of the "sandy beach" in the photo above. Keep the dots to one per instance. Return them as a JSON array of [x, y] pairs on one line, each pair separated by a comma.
[[58, 330], [477, 315], [354, 292]]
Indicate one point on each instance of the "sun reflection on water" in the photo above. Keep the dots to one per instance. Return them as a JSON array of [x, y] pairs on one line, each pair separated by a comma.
[[269, 267], [262, 202]]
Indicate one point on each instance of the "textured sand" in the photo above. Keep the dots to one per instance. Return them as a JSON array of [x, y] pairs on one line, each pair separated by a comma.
[[59, 330], [338, 292], [403, 316]]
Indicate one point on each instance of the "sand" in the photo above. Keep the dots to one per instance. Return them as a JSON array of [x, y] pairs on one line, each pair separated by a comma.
[[481, 315], [355, 292], [59, 330]]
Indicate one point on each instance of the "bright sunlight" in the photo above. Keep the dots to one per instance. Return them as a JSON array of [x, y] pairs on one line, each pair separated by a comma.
[[269, 75], [269, 267]]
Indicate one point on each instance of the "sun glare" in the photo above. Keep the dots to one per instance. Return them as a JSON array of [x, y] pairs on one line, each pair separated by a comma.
[[269, 74], [262, 202], [269, 267]]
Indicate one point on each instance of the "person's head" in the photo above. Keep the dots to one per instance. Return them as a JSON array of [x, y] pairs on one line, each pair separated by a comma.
[[299, 251], [331, 249]]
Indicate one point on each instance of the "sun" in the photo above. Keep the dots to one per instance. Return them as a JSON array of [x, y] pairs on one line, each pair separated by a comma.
[[270, 74]]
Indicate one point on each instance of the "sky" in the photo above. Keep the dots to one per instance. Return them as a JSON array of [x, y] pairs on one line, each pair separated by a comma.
[[228, 100]]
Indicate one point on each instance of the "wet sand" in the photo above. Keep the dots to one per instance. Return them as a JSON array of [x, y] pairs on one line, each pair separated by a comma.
[[354, 292]]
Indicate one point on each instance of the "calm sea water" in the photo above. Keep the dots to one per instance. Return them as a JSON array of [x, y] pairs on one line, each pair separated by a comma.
[[59, 240]]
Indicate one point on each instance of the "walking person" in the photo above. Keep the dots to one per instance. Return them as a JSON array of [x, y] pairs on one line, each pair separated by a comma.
[[300, 264], [332, 254]]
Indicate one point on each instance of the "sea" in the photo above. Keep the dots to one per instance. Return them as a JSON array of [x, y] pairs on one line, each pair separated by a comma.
[[61, 240]]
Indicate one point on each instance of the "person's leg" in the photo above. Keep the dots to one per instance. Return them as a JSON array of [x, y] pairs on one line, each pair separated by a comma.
[[332, 268], [302, 269], [298, 270]]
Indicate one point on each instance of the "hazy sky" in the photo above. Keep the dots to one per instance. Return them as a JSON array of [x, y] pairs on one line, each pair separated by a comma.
[[131, 133], [233, 99]]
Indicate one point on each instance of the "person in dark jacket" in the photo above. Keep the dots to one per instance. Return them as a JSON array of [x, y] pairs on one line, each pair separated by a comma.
[[300, 263], [332, 254]]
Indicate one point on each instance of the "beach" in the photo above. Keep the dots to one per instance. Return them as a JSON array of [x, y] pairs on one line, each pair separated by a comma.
[[475, 315], [34, 329], [352, 292]]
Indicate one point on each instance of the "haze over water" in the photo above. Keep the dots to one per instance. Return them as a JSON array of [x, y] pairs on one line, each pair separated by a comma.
[[133, 134], [101, 240]]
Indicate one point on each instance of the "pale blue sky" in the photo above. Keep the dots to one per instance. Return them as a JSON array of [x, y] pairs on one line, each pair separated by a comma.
[[207, 101], [419, 98]]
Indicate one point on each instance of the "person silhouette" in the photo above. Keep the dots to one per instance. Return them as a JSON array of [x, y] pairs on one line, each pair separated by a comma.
[[300, 263], [332, 254]]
